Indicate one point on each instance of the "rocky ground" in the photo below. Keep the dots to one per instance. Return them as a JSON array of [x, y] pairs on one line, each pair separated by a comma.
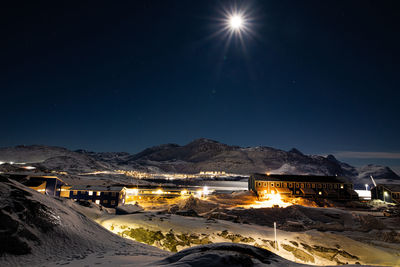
[[309, 235]]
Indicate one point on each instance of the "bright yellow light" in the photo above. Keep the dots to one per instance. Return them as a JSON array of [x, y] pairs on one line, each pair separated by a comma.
[[199, 193], [236, 22], [159, 192], [271, 200], [205, 191], [184, 192], [132, 191]]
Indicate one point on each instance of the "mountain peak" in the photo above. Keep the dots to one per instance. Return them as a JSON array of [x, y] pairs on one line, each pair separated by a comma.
[[331, 158], [295, 151], [203, 140]]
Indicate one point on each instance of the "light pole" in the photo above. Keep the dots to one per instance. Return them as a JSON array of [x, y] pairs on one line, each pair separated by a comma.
[[276, 242]]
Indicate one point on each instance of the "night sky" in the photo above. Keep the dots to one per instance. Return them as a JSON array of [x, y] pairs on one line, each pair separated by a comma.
[[321, 76]]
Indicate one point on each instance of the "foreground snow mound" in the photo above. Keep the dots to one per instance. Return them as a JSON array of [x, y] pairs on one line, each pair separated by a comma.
[[224, 254], [36, 228], [128, 209]]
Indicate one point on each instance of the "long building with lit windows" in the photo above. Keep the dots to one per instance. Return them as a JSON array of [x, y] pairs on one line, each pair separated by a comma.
[[307, 186], [107, 196]]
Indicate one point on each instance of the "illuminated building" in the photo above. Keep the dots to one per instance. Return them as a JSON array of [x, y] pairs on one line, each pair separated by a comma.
[[386, 192], [107, 196], [307, 186]]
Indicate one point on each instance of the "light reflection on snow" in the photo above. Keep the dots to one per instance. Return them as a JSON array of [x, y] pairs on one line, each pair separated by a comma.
[[271, 200]]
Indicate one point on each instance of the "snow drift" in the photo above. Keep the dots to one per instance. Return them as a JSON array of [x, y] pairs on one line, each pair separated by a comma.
[[35, 229]]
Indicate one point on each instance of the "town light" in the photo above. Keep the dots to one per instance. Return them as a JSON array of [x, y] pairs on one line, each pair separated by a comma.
[[29, 167], [199, 193], [159, 192], [270, 200], [184, 192], [384, 196], [135, 191], [205, 191], [366, 187]]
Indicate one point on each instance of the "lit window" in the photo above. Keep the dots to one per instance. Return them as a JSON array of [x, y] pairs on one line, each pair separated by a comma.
[[90, 193], [98, 193], [113, 194], [341, 186], [75, 192], [105, 201], [313, 185], [97, 201], [320, 193]]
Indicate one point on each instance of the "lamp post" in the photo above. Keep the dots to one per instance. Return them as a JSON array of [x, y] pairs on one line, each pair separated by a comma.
[[384, 196], [276, 242]]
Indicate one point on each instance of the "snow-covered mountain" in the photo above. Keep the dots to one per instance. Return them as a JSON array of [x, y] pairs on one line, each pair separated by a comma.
[[52, 158], [199, 155]]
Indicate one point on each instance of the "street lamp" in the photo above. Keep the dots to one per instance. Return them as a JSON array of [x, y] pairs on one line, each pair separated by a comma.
[[366, 187], [384, 196]]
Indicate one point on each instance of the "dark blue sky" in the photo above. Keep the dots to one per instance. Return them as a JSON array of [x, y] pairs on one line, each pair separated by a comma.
[[321, 76]]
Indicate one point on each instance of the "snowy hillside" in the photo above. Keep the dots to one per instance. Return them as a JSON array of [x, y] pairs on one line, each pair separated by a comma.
[[36, 229]]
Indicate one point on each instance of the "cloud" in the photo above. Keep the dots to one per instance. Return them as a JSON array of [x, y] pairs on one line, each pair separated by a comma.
[[367, 155]]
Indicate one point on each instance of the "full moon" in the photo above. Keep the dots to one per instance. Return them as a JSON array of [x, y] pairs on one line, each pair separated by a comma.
[[236, 22]]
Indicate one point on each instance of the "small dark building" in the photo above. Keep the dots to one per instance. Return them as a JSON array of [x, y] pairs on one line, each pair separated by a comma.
[[386, 192], [107, 196], [47, 185], [307, 186]]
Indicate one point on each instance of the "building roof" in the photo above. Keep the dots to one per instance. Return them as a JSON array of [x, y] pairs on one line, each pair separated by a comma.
[[391, 187], [97, 188], [45, 177], [33, 183], [300, 178]]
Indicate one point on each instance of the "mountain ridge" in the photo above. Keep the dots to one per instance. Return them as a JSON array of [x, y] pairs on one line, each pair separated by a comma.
[[198, 155]]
